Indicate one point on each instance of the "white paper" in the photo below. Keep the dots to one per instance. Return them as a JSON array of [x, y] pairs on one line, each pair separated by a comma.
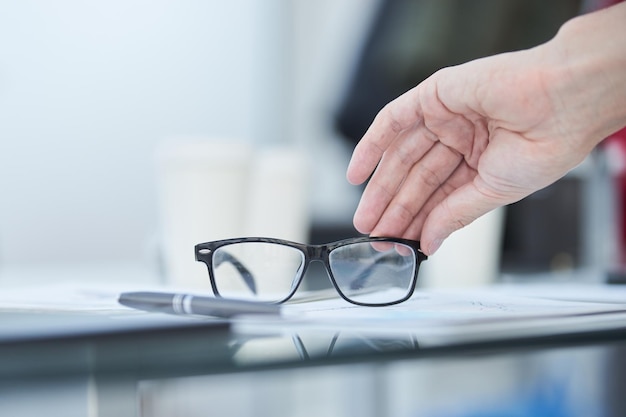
[[433, 317], [63, 297], [460, 315]]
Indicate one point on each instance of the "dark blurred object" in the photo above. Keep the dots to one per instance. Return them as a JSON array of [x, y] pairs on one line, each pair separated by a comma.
[[411, 39], [616, 276], [544, 231]]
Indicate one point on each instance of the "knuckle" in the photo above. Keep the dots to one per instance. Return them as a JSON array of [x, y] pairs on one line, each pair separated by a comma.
[[429, 177]]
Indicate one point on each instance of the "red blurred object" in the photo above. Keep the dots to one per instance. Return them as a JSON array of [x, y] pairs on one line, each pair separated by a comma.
[[616, 145]]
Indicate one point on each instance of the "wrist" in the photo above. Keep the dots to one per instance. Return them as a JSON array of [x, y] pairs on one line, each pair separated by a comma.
[[589, 74]]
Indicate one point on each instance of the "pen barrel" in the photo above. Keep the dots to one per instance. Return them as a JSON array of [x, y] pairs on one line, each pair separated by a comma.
[[227, 308], [196, 305]]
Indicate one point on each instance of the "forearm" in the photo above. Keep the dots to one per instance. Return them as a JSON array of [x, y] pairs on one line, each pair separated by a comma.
[[590, 81]]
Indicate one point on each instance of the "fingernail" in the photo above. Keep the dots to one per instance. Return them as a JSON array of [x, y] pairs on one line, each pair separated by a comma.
[[432, 248]]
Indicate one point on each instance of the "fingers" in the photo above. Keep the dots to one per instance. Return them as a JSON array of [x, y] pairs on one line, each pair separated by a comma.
[[413, 163], [422, 152], [392, 171], [462, 175], [394, 118], [459, 209], [424, 179]]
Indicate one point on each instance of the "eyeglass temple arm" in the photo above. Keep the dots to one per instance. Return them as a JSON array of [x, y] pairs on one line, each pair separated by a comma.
[[245, 273]]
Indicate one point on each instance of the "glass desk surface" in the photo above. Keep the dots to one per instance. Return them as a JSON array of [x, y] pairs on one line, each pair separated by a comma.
[[36, 345], [94, 364], [158, 365]]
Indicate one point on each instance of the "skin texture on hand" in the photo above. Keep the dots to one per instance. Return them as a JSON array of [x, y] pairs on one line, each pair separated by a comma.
[[487, 133]]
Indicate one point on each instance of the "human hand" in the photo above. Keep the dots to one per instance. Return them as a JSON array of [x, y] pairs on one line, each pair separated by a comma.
[[465, 141]]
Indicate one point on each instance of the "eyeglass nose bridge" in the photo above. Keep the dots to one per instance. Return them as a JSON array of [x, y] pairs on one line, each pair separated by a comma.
[[314, 253], [317, 253]]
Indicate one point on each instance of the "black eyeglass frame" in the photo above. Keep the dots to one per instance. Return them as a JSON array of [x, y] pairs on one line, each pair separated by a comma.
[[204, 253]]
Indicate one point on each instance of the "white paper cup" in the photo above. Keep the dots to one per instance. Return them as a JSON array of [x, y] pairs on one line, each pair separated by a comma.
[[279, 195], [203, 190], [469, 257]]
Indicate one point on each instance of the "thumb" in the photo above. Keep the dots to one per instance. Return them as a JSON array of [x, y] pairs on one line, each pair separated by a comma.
[[456, 211]]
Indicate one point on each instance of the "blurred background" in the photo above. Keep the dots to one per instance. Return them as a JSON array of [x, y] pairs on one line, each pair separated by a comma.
[[88, 91]]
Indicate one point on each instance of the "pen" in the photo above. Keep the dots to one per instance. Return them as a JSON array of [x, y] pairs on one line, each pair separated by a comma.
[[175, 303]]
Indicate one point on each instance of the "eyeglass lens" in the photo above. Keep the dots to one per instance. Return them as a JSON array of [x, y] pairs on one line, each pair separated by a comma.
[[373, 273], [256, 270], [366, 272]]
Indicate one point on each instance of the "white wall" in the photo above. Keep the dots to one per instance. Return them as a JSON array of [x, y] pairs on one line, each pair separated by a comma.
[[328, 37], [87, 89]]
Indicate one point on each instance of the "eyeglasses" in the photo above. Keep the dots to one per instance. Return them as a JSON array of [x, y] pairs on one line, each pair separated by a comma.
[[368, 271]]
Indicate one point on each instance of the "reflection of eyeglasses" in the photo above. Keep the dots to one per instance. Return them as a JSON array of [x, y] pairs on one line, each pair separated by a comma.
[[312, 346], [353, 343], [369, 271]]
